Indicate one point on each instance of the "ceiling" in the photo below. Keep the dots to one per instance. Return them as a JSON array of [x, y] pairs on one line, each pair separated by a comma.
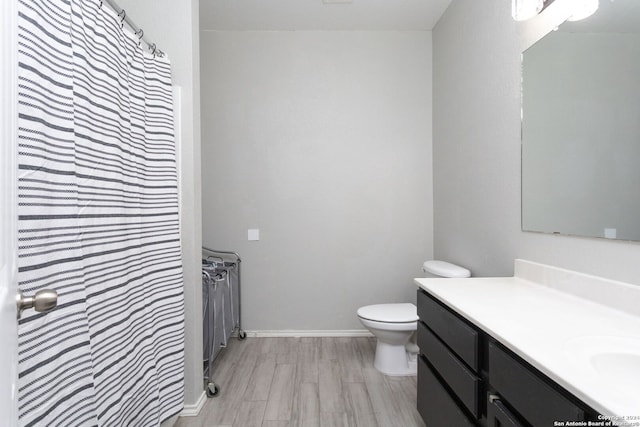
[[283, 15]]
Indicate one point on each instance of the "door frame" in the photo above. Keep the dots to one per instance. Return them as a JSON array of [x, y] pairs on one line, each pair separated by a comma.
[[8, 210]]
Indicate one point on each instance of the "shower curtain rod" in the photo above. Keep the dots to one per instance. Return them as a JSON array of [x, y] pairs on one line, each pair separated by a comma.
[[136, 30]]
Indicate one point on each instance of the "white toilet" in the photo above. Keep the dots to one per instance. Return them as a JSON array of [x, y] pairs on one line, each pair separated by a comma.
[[394, 324]]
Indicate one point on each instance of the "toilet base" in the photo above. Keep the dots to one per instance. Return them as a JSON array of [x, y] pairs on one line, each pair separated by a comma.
[[394, 360]]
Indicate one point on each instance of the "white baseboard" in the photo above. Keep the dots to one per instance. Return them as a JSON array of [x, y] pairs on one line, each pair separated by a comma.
[[309, 333], [194, 410]]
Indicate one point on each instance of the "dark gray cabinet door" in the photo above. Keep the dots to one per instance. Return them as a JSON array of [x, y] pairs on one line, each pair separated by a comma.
[[450, 328], [435, 405], [536, 401], [462, 381]]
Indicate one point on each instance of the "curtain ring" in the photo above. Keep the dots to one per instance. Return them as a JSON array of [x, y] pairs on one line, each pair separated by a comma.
[[123, 16], [139, 33], [153, 49], [100, 4]]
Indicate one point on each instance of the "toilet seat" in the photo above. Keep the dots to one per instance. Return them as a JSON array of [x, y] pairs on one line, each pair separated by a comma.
[[389, 313]]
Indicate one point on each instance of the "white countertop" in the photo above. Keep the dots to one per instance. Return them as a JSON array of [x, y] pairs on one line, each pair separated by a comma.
[[555, 330]]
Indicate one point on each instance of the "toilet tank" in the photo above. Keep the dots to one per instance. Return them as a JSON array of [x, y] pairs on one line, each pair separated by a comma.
[[435, 268]]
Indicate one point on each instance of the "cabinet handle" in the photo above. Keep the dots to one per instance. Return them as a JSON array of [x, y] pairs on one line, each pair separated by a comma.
[[498, 415]]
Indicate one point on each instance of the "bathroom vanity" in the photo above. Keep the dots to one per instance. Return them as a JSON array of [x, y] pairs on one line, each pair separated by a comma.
[[546, 347]]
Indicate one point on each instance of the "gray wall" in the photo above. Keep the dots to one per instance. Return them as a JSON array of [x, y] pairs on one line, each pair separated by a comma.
[[476, 149], [322, 140], [173, 25]]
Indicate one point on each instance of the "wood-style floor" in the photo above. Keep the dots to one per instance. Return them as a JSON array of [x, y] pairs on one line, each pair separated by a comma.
[[314, 382]]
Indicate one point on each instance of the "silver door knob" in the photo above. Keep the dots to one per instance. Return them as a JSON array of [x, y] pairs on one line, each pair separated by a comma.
[[43, 300]]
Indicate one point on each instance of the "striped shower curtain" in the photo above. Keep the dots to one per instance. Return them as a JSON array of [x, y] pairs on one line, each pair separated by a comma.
[[98, 222]]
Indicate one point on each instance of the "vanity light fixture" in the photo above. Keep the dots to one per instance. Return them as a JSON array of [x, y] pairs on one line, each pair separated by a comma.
[[521, 10], [583, 9]]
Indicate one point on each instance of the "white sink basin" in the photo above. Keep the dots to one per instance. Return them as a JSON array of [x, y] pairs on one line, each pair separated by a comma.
[[615, 359], [621, 367]]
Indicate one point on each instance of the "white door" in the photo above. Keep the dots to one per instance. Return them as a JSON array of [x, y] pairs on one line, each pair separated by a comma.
[[8, 219]]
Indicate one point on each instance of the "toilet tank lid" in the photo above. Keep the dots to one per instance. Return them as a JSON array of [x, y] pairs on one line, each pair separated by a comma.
[[445, 269]]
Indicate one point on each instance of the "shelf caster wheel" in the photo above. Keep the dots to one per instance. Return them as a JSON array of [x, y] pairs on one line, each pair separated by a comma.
[[212, 390], [242, 335]]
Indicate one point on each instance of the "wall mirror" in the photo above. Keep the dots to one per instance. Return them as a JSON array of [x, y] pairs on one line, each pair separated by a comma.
[[581, 126]]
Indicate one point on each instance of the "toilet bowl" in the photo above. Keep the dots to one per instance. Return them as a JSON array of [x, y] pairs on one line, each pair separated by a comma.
[[393, 326]]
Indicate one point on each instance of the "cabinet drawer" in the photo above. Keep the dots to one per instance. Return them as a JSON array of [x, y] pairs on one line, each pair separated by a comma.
[[435, 405], [536, 401], [455, 373], [452, 330]]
